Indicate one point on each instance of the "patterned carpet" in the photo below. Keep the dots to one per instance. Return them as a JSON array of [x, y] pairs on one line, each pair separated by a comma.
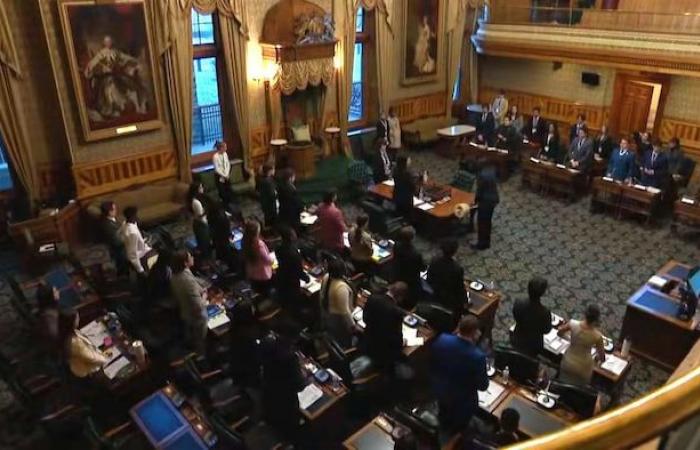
[[586, 258]]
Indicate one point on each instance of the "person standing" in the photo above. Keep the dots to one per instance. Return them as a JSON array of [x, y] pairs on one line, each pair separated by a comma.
[[134, 244], [408, 263], [331, 224], [550, 149], [621, 163], [603, 145], [191, 298], [578, 362], [405, 186], [383, 127], [257, 258], [383, 334], [382, 162], [486, 124], [200, 223], [446, 278], [532, 319], [109, 231], [222, 172], [486, 200], [291, 270], [220, 227], [576, 127], [47, 298], [267, 190], [394, 133], [516, 119], [580, 155], [654, 166], [361, 249], [499, 106], [536, 128], [458, 372], [680, 167], [290, 204], [337, 301]]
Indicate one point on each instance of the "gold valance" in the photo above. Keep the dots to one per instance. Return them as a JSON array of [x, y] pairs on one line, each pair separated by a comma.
[[297, 75]]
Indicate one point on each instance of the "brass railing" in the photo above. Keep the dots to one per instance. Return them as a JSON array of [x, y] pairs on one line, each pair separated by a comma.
[[604, 19]]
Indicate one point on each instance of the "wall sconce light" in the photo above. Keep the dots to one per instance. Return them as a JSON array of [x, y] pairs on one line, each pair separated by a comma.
[[337, 61], [270, 69]]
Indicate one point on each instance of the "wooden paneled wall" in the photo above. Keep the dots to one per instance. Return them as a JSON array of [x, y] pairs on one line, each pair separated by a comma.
[[102, 177], [54, 180], [410, 109], [687, 132], [564, 112]]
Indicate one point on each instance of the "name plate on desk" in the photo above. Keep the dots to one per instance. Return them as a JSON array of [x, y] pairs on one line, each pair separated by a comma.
[[653, 190], [639, 187], [535, 160], [561, 166], [688, 201], [608, 179]]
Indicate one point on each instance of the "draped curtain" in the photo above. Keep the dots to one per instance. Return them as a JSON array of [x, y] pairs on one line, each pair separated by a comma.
[[12, 121], [463, 51], [345, 16], [174, 37]]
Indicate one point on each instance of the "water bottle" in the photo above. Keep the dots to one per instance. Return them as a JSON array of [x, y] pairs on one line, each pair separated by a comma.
[[626, 347], [506, 375]]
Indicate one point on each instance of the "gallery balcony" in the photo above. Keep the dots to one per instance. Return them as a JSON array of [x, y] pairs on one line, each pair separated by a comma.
[[647, 38]]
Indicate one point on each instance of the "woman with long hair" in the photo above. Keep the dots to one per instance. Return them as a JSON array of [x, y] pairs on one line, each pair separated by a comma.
[[257, 258], [337, 303], [200, 225], [579, 361], [361, 245], [220, 228], [83, 357]]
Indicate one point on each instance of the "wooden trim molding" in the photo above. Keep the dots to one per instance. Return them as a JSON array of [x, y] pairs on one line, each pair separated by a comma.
[[687, 132], [415, 108], [102, 177], [658, 52]]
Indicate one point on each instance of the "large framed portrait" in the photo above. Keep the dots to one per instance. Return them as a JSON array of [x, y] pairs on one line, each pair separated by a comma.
[[112, 63], [421, 41]]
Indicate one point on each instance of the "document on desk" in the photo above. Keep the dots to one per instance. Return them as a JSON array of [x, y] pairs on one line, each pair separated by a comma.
[[96, 332], [379, 253], [554, 343], [113, 369], [688, 201], [218, 320], [389, 182], [358, 316], [112, 353], [614, 364], [426, 206], [310, 395], [308, 219], [487, 397], [417, 201], [312, 286], [410, 337]]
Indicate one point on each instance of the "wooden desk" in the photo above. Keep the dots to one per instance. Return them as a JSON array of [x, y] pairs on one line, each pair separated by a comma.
[[450, 138], [372, 436], [498, 157], [534, 419], [686, 213], [650, 322], [484, 304], [333, 392], [549, 177], [440, 212], [620, 198]]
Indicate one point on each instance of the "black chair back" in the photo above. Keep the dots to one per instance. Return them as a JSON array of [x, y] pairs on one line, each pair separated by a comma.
[[228, 437], [439, 318], [523, 368], [422, 422], [581, 399], [338, 360]]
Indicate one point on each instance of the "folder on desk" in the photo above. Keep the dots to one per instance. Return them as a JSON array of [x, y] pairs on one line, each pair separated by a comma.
[[490, 395], [113, 368], [389, 182], [614, 364], [310, 395]]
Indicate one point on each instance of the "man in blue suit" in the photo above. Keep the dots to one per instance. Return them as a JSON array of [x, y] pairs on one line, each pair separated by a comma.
[[654, 166], [458, 372], [621, 164]]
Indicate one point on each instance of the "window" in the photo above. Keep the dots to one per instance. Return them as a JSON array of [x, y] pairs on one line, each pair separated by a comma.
[[207, 124], [5, 178], [358, 103]]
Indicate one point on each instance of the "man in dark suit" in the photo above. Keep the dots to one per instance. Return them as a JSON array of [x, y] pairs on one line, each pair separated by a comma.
[[486, 124], [381, 162], [408, 264], [383, 334], [580, 123], [405, 186], [446, 278], [535, 129], [654, 166], [621, 164], [267, 190], [486, 200], [532, 319], [581, 152], [458, 371], [680, 167], [290, 271], [604, 145], [109, 233], [291, 205]]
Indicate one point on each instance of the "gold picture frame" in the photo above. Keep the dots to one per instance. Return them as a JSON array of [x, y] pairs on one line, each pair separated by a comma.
[[421, 41], [113, 66]]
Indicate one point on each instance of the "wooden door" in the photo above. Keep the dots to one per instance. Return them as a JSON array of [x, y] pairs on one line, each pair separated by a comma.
[[634, 107]]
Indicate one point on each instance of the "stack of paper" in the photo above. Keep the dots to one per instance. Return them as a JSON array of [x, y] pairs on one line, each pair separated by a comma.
[[312, 286], [554, 343], [426, 206], [308, 219], [614, 364], [658, 282], [358, 316], [410, 337], [389, 182], [379, 253], [96, 332], [113, 369], [417, 201], [218, 320], [310, 395], [346, 239], [487, 397]]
